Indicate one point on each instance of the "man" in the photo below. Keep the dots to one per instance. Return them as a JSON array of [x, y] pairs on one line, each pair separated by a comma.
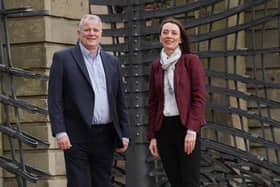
[[87, 107]]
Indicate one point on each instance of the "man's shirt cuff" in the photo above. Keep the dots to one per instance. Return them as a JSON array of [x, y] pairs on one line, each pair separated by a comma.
[[60, 135]]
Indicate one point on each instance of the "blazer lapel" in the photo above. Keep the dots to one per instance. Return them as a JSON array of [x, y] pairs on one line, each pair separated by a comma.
[[77, 54], [106, 67], [178, 72], [160, 76]]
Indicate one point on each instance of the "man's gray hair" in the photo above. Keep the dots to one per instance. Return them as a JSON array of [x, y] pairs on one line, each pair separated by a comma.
[[89, 17]]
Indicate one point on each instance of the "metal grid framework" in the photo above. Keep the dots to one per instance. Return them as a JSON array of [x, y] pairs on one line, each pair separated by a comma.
[[11, 105], [238, 43]]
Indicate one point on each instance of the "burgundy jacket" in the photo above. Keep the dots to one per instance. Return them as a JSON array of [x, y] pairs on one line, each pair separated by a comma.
[[190, 93]]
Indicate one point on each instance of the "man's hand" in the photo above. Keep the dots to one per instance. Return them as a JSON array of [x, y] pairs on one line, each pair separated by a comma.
[[125, 142], [63, 142]]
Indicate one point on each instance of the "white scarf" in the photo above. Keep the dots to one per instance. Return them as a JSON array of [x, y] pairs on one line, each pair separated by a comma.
[[167, 62]]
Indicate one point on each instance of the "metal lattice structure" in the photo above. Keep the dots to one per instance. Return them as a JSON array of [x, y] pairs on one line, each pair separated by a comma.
[[238, 43], [12, 105]]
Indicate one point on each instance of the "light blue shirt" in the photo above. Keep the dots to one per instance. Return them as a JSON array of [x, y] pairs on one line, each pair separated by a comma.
[[101, 111]]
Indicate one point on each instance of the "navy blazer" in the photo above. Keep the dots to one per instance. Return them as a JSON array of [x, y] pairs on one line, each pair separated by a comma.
[[71, 96]]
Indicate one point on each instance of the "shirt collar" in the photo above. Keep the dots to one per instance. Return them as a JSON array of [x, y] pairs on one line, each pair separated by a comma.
[[85, 51]]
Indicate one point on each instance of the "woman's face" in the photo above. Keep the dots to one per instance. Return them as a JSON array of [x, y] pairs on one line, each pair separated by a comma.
[[170, 37]]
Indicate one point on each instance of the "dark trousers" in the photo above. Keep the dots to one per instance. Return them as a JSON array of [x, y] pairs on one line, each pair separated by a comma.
[[89, 164], [182, 170]]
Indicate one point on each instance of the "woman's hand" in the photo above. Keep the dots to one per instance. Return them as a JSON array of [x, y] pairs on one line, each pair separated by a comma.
[[190, 140], [153, 148]]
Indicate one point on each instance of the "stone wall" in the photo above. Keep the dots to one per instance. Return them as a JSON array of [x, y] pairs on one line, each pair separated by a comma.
[[34, 39], [225, 64], [266, 68]]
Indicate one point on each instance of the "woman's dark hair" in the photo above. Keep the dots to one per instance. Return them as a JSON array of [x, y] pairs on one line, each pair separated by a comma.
[[185, 45]]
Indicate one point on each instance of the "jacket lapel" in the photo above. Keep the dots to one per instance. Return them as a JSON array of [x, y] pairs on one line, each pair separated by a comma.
[[178, 72], [77, 54], [106, 66], [160, 76]]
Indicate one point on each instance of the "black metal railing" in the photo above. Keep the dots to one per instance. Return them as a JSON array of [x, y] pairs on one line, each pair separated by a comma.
[[11, 104], [238, 43], [240, 144]]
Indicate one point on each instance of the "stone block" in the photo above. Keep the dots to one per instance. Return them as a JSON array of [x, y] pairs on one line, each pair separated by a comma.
[[274, 113], [37, 160], [271, 75], [263, 40], [57, 165], [34, 56], [267, 134], [63, 8], [272, 94], [270, 5], [269, 60], [51, 49], [218, 43], [28, 87], [27, 59], [53, 182], [74, 9], [59, 30], [42, 29], [27, 116], [36, 5], [261, 152], [32, 29], [56, 182], [271, 24], [50, 161], [99, 9], [29, 56], [41, 131]]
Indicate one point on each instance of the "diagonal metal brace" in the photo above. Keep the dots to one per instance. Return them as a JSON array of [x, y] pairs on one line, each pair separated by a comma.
[[31, 174], [24, 137], [21, 104], [22, 73]]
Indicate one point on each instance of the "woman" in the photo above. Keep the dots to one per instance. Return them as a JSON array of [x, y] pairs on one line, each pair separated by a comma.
[[176, 106]]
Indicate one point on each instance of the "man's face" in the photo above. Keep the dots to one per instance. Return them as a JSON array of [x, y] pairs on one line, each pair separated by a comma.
[[90, 34]]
